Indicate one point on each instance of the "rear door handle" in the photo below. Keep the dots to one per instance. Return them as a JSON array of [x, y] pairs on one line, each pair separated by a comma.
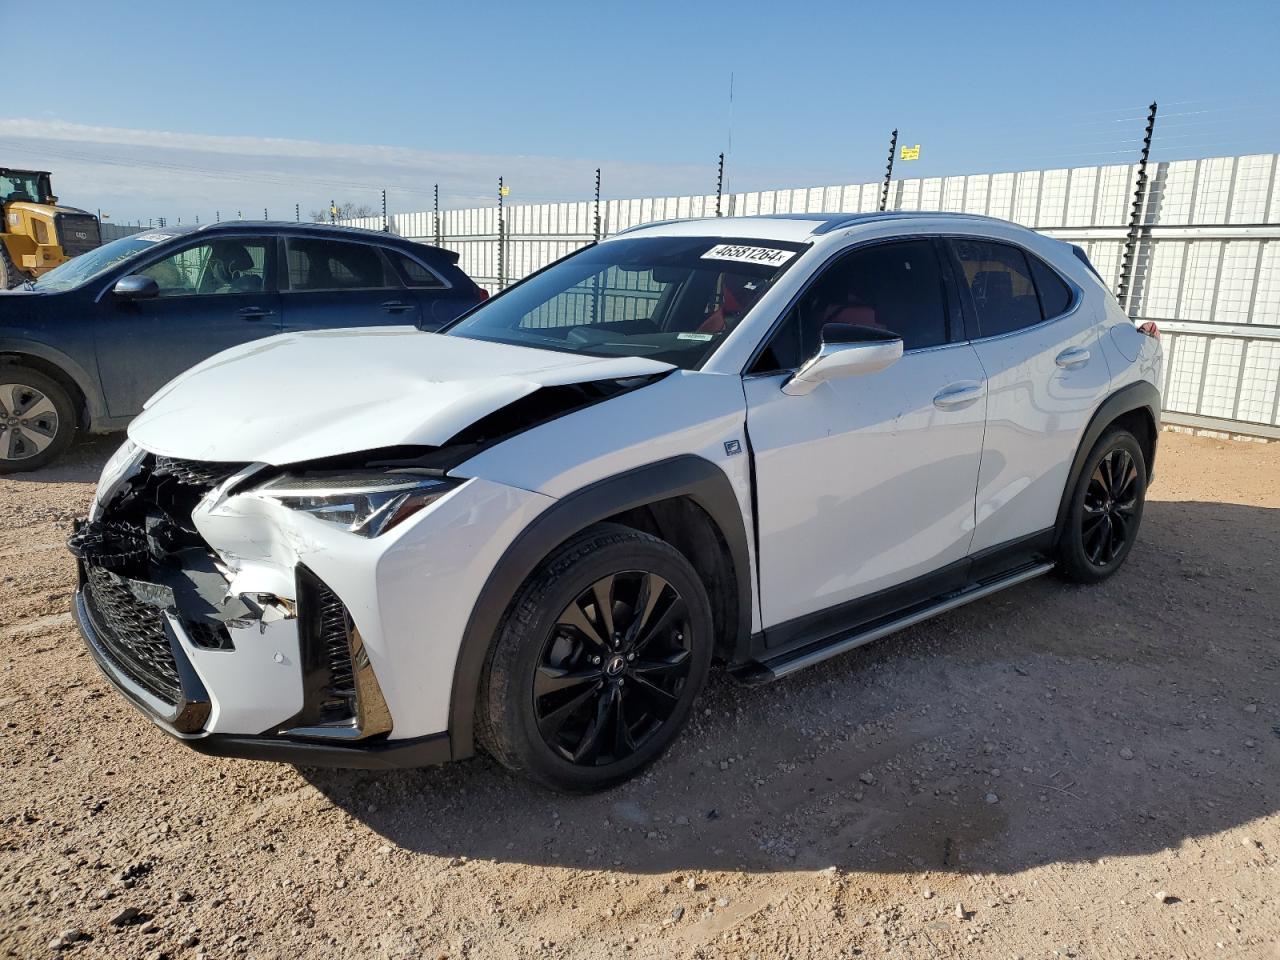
[[959, 394], [396, 306], [254, 313], [1072, 357]]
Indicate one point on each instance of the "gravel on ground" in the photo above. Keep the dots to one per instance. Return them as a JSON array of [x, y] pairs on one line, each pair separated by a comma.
[[1054, 771]]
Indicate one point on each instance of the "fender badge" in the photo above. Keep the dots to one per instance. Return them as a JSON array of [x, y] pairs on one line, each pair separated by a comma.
[[732, 447]]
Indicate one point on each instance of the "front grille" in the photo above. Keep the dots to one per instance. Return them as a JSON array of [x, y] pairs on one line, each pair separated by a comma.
[[195, 473], [132, 634], [77, 233]]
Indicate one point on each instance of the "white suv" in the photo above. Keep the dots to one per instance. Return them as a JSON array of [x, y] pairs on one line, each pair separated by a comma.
[[755, 441]]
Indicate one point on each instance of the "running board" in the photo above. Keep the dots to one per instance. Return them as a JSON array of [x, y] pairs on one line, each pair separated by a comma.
[[775, 669]]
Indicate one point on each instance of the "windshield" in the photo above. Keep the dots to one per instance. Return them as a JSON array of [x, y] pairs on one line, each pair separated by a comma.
[[16, 186], [85, 267], [672, 299]]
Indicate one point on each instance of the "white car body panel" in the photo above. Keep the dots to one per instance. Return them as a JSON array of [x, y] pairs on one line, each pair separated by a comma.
[[1037, 412], [686, 412], [835, 524], [861, 485], [363, 389]]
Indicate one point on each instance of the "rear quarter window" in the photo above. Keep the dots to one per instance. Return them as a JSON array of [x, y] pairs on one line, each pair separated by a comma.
[[414, 273], [1055, 296]]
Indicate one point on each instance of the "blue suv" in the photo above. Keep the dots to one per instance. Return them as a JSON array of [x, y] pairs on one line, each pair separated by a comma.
[[83, 347]]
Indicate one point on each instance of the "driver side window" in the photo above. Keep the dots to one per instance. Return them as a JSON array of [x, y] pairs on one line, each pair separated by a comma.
[[897, 287], [230, 265]]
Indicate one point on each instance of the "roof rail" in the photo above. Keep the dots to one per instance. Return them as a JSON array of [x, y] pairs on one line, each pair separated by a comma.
[[853, 219], [659, 223]]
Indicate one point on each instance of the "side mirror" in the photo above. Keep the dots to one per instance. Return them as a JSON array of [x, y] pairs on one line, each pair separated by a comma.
[[136, 286], [847, 350]]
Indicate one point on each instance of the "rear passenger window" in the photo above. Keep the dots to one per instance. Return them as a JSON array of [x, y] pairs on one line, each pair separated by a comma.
[[999, 281], [415, 274], [1055, 296], [335, 265]]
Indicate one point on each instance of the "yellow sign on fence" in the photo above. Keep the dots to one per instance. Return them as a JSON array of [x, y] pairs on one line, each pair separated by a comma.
[[911, 153], [504, 191]]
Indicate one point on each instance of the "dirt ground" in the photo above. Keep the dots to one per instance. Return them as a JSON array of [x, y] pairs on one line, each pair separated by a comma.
[[1055, 771]]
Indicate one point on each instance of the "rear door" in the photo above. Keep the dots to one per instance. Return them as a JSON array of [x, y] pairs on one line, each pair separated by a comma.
[[342, 283], [213, 295], [1037, 339], [440, 299]]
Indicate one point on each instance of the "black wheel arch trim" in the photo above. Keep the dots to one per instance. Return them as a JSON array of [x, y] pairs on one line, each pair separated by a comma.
[[689, 476], [1142, 395]]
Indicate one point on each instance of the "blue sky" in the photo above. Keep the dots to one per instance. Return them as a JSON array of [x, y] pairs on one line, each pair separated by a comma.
[[180, 109]]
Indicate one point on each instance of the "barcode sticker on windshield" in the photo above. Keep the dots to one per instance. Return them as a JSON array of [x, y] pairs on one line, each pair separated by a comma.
[[769, 256], [154, 237]]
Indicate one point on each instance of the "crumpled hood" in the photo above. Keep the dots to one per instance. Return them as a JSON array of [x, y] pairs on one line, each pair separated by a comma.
[[301, 396]]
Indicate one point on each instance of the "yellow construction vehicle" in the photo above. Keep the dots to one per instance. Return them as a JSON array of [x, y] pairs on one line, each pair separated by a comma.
[[35, 233]]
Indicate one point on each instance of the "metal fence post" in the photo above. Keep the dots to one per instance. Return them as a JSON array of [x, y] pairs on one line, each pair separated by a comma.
[[384, 211], [1128, 265], [719, 183], [888, 171], [597, 206], [437, 213], [502, 240]]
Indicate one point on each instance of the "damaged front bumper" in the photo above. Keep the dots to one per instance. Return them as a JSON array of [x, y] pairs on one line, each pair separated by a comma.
[[185, 715], [274, 675], [247, 628], [185, 719]]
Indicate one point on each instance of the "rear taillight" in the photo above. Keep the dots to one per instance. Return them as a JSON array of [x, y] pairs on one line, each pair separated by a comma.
[[484, 294], [1150, 329]]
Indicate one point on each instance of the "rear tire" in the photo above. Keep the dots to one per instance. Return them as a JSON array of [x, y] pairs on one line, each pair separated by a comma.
[[37, 419], [578, 700], [1105, 509]]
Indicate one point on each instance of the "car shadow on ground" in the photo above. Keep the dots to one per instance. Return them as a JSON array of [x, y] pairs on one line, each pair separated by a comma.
[[1049, 723]]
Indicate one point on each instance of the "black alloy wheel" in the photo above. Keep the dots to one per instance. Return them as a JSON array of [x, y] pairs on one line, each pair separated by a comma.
[[598, 662], [1108, 516], [613, 668], [1105, 509]]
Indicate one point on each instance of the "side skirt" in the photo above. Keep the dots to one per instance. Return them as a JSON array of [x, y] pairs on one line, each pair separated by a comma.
[[986, 576]]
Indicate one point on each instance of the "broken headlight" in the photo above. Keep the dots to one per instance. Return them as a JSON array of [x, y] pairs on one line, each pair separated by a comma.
[[364, 504]]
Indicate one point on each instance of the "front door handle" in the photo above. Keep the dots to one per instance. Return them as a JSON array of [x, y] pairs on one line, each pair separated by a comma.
[[396, 306], [254, 313], [1072, 357], [959, 394]]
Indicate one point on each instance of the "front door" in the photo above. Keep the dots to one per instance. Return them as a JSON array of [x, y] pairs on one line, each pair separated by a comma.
[[867, 482], [341, 283], [213, 295]]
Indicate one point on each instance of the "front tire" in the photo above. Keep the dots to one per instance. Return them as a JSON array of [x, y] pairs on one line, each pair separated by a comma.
[[598, 662], [37, 419], [1106, 509], [10, 275]]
